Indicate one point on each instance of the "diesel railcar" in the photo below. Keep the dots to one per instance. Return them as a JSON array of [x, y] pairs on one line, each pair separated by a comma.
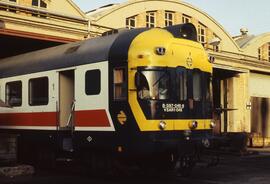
[[142, 93]]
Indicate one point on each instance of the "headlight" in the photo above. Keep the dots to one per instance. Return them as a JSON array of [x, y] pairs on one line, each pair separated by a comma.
[[193, 125], [212, 124], [162, 125]]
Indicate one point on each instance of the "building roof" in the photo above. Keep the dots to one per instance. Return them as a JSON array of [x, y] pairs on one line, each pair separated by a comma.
[[243, 40], [101, 10], [251, 43]]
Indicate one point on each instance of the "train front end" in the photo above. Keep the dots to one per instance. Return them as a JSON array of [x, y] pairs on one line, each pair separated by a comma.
[[170, 94]]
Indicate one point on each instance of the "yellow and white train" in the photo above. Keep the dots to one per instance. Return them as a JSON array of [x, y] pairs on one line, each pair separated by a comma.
[[142, 93]]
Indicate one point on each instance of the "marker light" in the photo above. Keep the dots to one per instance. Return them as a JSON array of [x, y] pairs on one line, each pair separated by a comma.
[[212, 124], [193, 125], [162, 125]]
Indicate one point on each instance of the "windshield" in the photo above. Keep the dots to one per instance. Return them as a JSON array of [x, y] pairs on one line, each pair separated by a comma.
[[174, 92], [154, 85]]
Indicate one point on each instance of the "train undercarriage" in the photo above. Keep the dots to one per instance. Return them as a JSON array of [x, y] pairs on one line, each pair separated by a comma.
[[47, 151]]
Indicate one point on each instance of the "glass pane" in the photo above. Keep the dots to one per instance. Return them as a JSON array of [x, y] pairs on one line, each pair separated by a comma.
[[38, 91], [132, 23], [120, 90], [209, 95], [35, 2], [154, 85], [197, 86], [127, 23], [183, 85], [118, 76], [14, 93], [152, 20], [92, 82], [202, 31], [43, 4]]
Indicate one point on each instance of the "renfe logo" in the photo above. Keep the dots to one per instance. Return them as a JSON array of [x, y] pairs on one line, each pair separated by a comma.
[[189, 61]]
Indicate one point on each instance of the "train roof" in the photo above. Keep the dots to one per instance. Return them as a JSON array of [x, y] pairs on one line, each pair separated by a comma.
[[113, 48], [69, 55]]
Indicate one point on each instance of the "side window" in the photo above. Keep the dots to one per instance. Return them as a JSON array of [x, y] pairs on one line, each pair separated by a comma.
[[14, 93], [119, 84], [39, 91], [92, 82]]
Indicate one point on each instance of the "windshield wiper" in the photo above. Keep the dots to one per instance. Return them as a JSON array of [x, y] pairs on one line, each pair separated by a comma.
[[161, 77]]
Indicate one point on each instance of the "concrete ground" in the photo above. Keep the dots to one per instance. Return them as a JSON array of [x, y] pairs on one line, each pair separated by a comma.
[[249, 169]]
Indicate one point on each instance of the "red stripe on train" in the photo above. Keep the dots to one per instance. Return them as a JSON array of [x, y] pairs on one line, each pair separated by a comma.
[[92, 118], [28, 119], [88, 118]]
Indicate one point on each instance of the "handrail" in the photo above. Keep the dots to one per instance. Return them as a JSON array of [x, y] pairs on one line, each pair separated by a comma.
[[69, 122]]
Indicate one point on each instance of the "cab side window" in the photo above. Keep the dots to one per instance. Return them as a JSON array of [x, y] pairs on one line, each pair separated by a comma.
[[120, 84]]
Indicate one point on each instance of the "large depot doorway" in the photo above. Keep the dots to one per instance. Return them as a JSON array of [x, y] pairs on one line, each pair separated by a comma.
[[223, 97], [259, 89]]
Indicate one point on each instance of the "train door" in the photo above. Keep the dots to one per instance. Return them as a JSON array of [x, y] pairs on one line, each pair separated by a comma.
[[66, 99]]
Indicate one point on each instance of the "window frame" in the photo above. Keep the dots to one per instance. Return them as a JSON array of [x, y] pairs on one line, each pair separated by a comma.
[[186, 19], [149, 15], [7, 96], [260, 53], [202, 34], [216, 48], [129, 22], [169, 21], [39, 4], [30, 95], [97, 91]]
